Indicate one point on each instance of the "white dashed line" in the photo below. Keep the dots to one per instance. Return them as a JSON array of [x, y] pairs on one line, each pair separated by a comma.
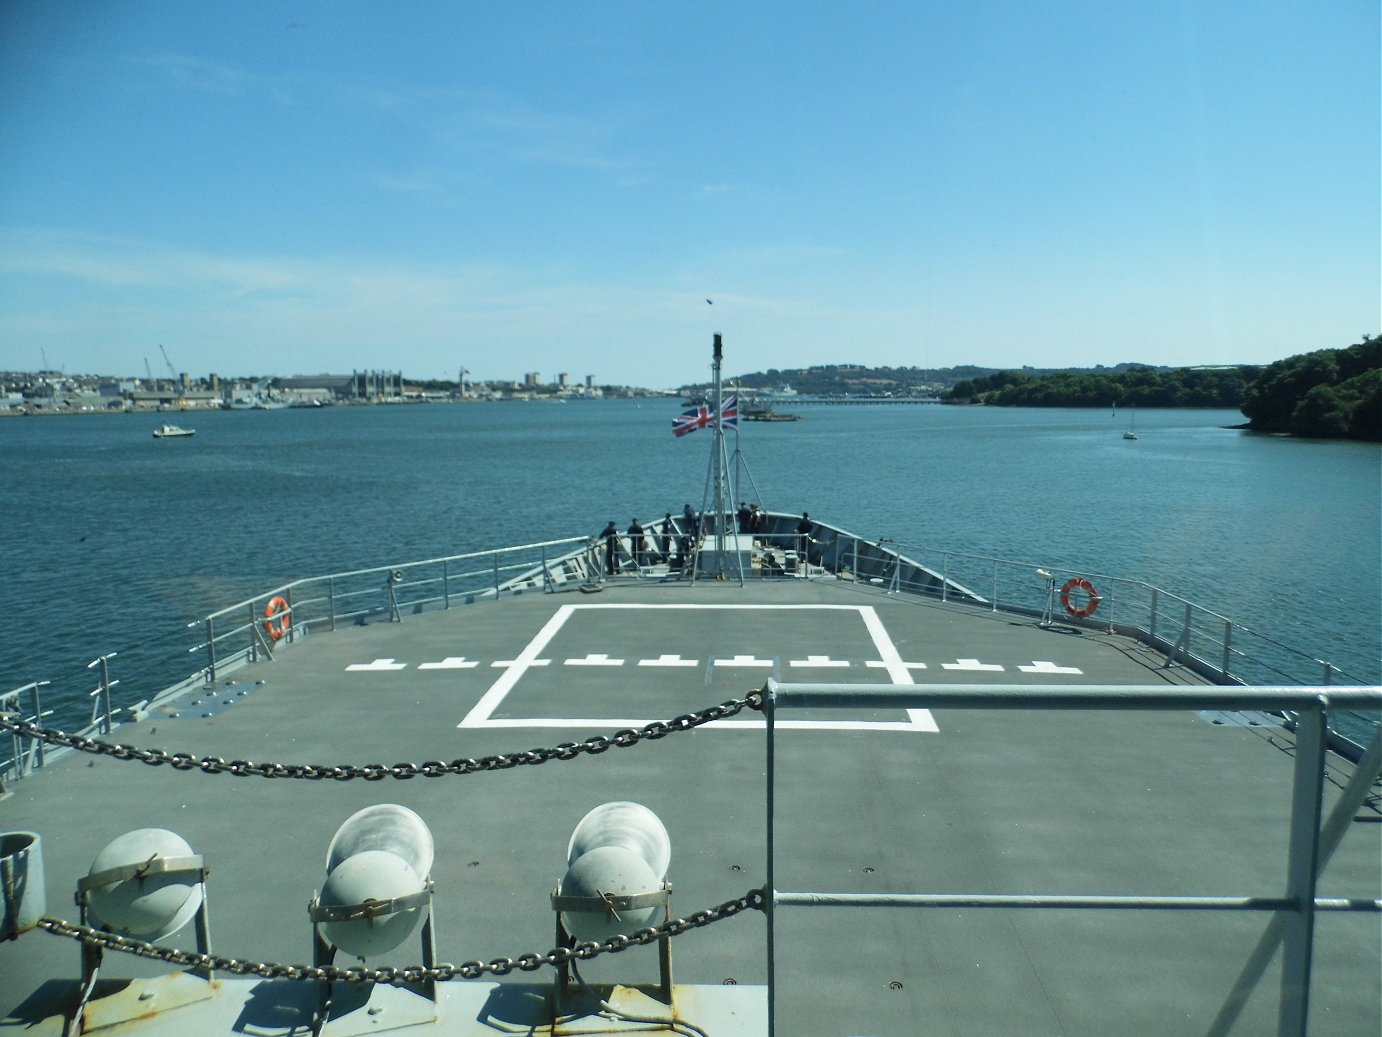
[[451, 662], [973, 665], [378, 664], [745, 660], [820, 660], [595, 659], [1044, 666], [668, 660]]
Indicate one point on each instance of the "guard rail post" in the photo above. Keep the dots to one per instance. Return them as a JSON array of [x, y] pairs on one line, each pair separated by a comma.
[[210, 650], [1302, 870], [770, 883], [103, 688]]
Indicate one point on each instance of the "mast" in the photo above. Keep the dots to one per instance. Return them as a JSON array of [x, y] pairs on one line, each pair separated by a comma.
[[719, 462]]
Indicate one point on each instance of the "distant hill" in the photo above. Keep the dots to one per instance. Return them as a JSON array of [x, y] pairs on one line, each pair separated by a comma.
[[858, 380], [1132, 385], [1330, 393]]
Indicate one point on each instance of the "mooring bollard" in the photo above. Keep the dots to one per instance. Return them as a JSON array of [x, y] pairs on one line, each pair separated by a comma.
[[21, 882]]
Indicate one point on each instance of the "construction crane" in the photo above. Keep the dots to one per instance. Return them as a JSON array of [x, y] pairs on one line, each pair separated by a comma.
[[177, 382]]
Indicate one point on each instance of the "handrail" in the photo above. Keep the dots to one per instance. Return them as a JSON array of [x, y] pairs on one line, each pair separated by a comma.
[[1199, 638], [1310, 846], [372, 570]]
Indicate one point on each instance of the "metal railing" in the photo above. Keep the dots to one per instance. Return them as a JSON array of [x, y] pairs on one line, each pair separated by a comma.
[[250, 629], [1311, 842], [1184, 633]]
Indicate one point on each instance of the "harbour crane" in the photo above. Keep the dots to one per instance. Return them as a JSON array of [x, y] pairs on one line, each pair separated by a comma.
[[173, 376]]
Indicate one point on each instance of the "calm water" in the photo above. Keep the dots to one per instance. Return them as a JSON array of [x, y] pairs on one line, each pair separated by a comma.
[[109, 536]]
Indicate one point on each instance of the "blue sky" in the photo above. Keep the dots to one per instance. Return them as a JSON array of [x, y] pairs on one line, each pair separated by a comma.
[[297, 187]]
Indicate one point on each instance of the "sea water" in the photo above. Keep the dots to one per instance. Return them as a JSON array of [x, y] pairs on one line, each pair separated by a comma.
[[109, 536]]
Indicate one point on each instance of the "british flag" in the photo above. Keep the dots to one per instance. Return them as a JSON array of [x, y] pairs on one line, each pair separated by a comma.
[[729, 412], [701, 416]]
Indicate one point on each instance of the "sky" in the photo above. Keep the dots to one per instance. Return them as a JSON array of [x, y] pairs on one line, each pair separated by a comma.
[[279, 187]]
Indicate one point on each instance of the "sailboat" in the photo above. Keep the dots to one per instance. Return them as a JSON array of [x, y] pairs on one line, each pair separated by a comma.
[[1131, 432]]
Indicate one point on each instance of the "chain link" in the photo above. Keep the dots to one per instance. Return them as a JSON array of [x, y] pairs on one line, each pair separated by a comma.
[[593, 746], [754, 899]]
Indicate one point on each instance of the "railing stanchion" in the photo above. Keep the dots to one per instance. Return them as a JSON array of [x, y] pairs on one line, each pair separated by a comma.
[[445, 584], [331, 599], [770, 882], [254, 645], [1302, 869], [210, 650], [106, 725]]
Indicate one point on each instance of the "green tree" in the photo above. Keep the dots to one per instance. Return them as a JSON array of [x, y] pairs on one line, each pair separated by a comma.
[[1323, 413]]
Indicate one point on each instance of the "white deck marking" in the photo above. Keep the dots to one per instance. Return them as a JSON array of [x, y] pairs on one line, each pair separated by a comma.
[[879, 664], [481, 715], [595, 659], [973, 665], [378, 664], [451, 662], [899, 671], [1043, 666], [820, 660], [668, 660], [744, 660], [500, 664]]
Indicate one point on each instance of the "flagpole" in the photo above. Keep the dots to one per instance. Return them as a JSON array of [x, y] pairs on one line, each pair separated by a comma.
[[719, 462]]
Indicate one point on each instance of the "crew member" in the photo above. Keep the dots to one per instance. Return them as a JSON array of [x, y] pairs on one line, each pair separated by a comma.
[[636, 545], [611, 535]]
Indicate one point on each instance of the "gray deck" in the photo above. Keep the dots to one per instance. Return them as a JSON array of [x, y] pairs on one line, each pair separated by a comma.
[[990, 802]]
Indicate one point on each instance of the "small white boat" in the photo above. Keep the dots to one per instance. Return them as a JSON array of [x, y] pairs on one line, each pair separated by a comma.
[[173, 431]]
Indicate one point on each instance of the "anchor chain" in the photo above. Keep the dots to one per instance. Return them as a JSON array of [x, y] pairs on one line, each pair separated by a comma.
[[754, 899], [592, 746]]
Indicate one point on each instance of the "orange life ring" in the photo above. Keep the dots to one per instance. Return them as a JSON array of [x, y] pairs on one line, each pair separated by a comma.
[[1082, 584], [277, 617]]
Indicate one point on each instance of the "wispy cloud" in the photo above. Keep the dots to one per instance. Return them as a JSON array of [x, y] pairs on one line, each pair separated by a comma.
[[91, 298], [189, 72]]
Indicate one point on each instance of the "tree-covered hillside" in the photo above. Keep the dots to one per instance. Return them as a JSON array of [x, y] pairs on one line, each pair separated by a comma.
[[1331, 393], [1140, 386]]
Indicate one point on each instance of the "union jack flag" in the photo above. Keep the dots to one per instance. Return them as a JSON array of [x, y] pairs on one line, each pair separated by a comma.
[[729, 412], [702, 416]]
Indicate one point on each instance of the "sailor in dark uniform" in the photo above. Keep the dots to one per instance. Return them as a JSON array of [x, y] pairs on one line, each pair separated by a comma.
[[636, 546], [804, 528], [611, 535], [665, 538]]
